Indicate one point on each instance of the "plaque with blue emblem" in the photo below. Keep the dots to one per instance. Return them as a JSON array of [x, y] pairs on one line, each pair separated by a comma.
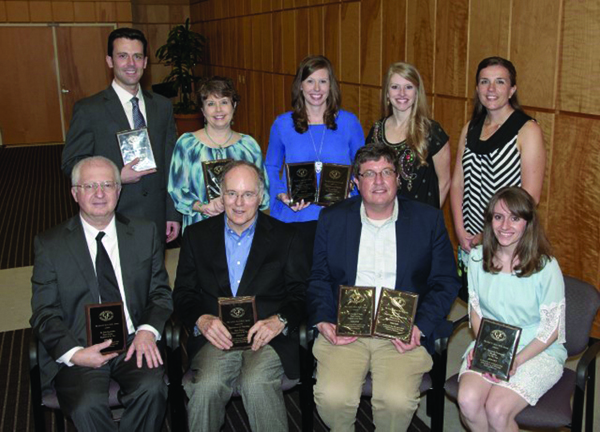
[[106, 321], [495, 348]]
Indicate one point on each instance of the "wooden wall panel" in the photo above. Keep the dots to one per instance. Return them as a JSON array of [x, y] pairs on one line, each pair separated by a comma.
[[533, 50], [331, 25], [574, 210], [351, 98], [488, 34], [370, 42], [369, 107], [288, 42], [580, 60], [451, 47], [277, 43], [301, 27], [420, 36], [546, 122], [266, 36], [450, 113], [350, 61], [316, 40], [393, 39]]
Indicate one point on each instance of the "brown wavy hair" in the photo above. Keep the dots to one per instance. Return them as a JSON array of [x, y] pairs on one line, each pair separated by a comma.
[[218, 86], [419, 123], [533, 250], [479, 110], [306, 68]]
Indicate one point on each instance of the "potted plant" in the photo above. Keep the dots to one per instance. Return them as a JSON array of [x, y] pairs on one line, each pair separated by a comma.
[[183, 52]]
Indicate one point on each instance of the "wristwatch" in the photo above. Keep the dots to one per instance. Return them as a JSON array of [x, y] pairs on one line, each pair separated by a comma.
[[282, 319], [285, 323]]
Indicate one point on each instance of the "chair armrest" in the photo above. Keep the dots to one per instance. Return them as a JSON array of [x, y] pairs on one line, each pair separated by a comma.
[[33, 351], [306, 335], [582, 366], [441, 344], [456, 324]]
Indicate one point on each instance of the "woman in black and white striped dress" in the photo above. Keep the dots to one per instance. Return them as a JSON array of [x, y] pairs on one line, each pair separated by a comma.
[[500, 146]]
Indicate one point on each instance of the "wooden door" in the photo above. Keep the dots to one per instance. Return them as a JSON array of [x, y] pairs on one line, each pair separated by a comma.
[[82, 64], [40, 81], [30, 109]]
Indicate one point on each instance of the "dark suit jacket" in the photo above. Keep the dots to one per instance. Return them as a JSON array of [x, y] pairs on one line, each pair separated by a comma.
[[425, 263], [95, 123], [64, 282], [276, 273]]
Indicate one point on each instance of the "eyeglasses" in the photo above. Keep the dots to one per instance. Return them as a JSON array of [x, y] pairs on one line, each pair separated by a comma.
[[386, 173], [106, 186], [246, 196]]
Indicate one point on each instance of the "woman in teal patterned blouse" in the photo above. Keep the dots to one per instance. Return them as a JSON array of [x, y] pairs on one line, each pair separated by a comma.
[[215, 141]]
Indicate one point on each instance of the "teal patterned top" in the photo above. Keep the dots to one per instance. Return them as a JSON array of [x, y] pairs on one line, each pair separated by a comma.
[[186, 181]]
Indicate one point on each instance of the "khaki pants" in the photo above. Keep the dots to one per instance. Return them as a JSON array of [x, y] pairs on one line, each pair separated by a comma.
[[341, 372]]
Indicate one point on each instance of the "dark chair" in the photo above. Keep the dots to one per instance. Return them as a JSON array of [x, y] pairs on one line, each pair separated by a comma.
[[553, 410], [180, 374], [432, 384], [47, 399]]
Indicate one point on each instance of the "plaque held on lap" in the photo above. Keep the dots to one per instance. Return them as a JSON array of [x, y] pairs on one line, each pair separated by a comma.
[[396, 314], [495, 348], [356, 307], [106, 321], [238, 315]]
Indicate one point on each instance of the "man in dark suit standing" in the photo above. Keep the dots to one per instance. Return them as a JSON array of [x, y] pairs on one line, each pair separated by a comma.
[[98, 257], [242, 252], [123, 106], [378, 239]]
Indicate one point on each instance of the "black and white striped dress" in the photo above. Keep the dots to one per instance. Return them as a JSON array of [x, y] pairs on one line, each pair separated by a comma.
[[489, 166]]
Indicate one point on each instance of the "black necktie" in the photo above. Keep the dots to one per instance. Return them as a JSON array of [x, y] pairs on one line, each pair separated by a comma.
[[107, 280], [138, 118]]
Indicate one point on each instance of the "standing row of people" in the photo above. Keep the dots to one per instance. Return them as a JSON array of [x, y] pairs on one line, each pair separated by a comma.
[[389, 233]]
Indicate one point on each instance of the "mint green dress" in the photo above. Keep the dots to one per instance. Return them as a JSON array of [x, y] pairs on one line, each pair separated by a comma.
[[186, 180], [537, 305]]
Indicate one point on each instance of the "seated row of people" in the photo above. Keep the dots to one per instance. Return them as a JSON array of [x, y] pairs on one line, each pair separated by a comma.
[[375, 239]]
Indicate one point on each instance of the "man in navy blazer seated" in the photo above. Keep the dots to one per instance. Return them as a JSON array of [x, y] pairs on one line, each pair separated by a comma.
[[241, 252], [99, 256], [383, 240]]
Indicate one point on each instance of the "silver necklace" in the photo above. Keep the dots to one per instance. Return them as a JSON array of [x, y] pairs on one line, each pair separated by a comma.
[[318, 163], [220, 146]]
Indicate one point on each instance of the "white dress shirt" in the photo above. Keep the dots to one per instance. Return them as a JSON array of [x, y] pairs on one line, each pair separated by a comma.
[[125, 98], [111, 244], [377, 252]]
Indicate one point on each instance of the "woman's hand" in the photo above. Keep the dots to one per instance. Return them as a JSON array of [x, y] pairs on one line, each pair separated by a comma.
[[470, 358], [213, 208], [283, 197]]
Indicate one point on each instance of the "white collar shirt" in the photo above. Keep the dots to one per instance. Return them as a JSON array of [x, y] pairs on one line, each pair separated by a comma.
[[125, 98], [377, 252]]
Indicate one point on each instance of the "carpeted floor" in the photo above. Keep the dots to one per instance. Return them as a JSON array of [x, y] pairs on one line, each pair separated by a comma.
[[35, 196]]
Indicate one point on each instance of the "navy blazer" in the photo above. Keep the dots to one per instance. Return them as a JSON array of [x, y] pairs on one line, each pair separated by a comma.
[[276, 273], [92, 132], [64, 281], [425, 263]]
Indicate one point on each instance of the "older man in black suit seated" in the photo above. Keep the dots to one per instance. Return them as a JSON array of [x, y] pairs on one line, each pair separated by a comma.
[[96, 257], [241, 252]]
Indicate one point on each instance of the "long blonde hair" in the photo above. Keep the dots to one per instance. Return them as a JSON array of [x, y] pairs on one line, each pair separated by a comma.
[[419, 123]]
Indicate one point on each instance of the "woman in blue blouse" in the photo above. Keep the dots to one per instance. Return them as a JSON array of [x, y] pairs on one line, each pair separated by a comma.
[[317, 130], [215, 141]]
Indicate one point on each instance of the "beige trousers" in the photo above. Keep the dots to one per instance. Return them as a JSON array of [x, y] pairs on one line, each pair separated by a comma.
[[341, 372]]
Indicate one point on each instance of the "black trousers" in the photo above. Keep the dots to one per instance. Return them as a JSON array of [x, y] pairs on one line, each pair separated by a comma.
[[83, 395]]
